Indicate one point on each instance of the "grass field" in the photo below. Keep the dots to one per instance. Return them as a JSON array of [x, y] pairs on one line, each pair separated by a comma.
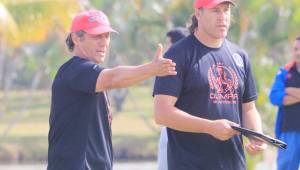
[[134, 133]]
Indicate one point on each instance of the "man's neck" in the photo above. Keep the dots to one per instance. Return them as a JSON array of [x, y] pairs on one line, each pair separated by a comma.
[[208, 40], [79, 53]]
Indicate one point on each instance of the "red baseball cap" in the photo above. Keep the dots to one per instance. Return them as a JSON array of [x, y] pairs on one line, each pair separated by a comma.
[[92, 21], [209, 3]]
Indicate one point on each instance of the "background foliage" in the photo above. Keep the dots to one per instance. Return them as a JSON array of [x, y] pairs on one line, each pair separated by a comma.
[[32, 34]]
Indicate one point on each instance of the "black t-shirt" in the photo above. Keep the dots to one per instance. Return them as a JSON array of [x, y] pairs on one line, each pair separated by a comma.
[[211, 83], [80, 133], [290, 114]]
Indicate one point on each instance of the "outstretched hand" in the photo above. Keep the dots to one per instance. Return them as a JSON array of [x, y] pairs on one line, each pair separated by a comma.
[[162, 66]]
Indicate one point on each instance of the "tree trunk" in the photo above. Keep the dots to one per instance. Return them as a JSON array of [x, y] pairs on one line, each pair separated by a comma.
[[1, 62], [1, 75]]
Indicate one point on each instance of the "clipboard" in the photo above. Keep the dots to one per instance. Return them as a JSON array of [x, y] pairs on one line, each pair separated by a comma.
[[252, 134]]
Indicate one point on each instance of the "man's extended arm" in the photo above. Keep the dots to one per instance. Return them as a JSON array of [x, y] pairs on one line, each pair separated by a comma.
[[124, 76]]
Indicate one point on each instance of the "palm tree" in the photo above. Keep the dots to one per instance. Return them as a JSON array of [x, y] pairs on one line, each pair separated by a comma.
[[28, 29]]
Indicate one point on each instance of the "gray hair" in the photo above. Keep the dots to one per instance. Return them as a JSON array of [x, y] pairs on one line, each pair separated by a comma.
[[69, 40]]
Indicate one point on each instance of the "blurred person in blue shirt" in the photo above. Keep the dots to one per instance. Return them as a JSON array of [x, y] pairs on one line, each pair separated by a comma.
[[285, 94]]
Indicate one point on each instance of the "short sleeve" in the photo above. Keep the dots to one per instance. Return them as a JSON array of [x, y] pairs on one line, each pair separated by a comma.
[[83, 76], [171, 85], [250, 93]]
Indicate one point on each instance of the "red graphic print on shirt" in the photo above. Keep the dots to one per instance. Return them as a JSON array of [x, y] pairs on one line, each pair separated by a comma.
[[223, 83], [109, 109]]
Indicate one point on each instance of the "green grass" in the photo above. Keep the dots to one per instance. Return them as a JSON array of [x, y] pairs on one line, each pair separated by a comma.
[[135, 134]]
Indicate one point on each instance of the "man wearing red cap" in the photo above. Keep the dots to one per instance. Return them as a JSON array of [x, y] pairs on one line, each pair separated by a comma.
[[80, 118], [213, 90]]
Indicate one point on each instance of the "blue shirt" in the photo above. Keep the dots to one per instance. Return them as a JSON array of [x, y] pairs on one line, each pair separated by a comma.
[[80, 133], [211, 83], [276, 96], [287, 116]]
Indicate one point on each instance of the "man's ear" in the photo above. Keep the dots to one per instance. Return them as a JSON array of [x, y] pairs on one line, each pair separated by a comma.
[[198, 12], [75, 38]]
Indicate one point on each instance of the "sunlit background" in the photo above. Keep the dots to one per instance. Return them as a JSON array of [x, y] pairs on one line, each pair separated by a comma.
[[32, 36]]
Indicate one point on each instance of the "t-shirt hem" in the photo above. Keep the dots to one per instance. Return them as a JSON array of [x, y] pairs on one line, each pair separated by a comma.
[[166, 93], [250, 99]]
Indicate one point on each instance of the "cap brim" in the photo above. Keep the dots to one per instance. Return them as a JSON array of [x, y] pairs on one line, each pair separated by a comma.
[[217, 2], [100, 30]]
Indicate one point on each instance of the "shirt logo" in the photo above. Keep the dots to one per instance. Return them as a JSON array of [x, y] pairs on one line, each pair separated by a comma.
[[238, 59], [223, 83]]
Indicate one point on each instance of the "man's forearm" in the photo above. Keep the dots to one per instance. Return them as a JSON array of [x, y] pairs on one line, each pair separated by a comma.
[[290, 100], [174, 118], [293, 91], [167, 114], [124, 76], [181, 121], [251, 117], [252, 121]]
